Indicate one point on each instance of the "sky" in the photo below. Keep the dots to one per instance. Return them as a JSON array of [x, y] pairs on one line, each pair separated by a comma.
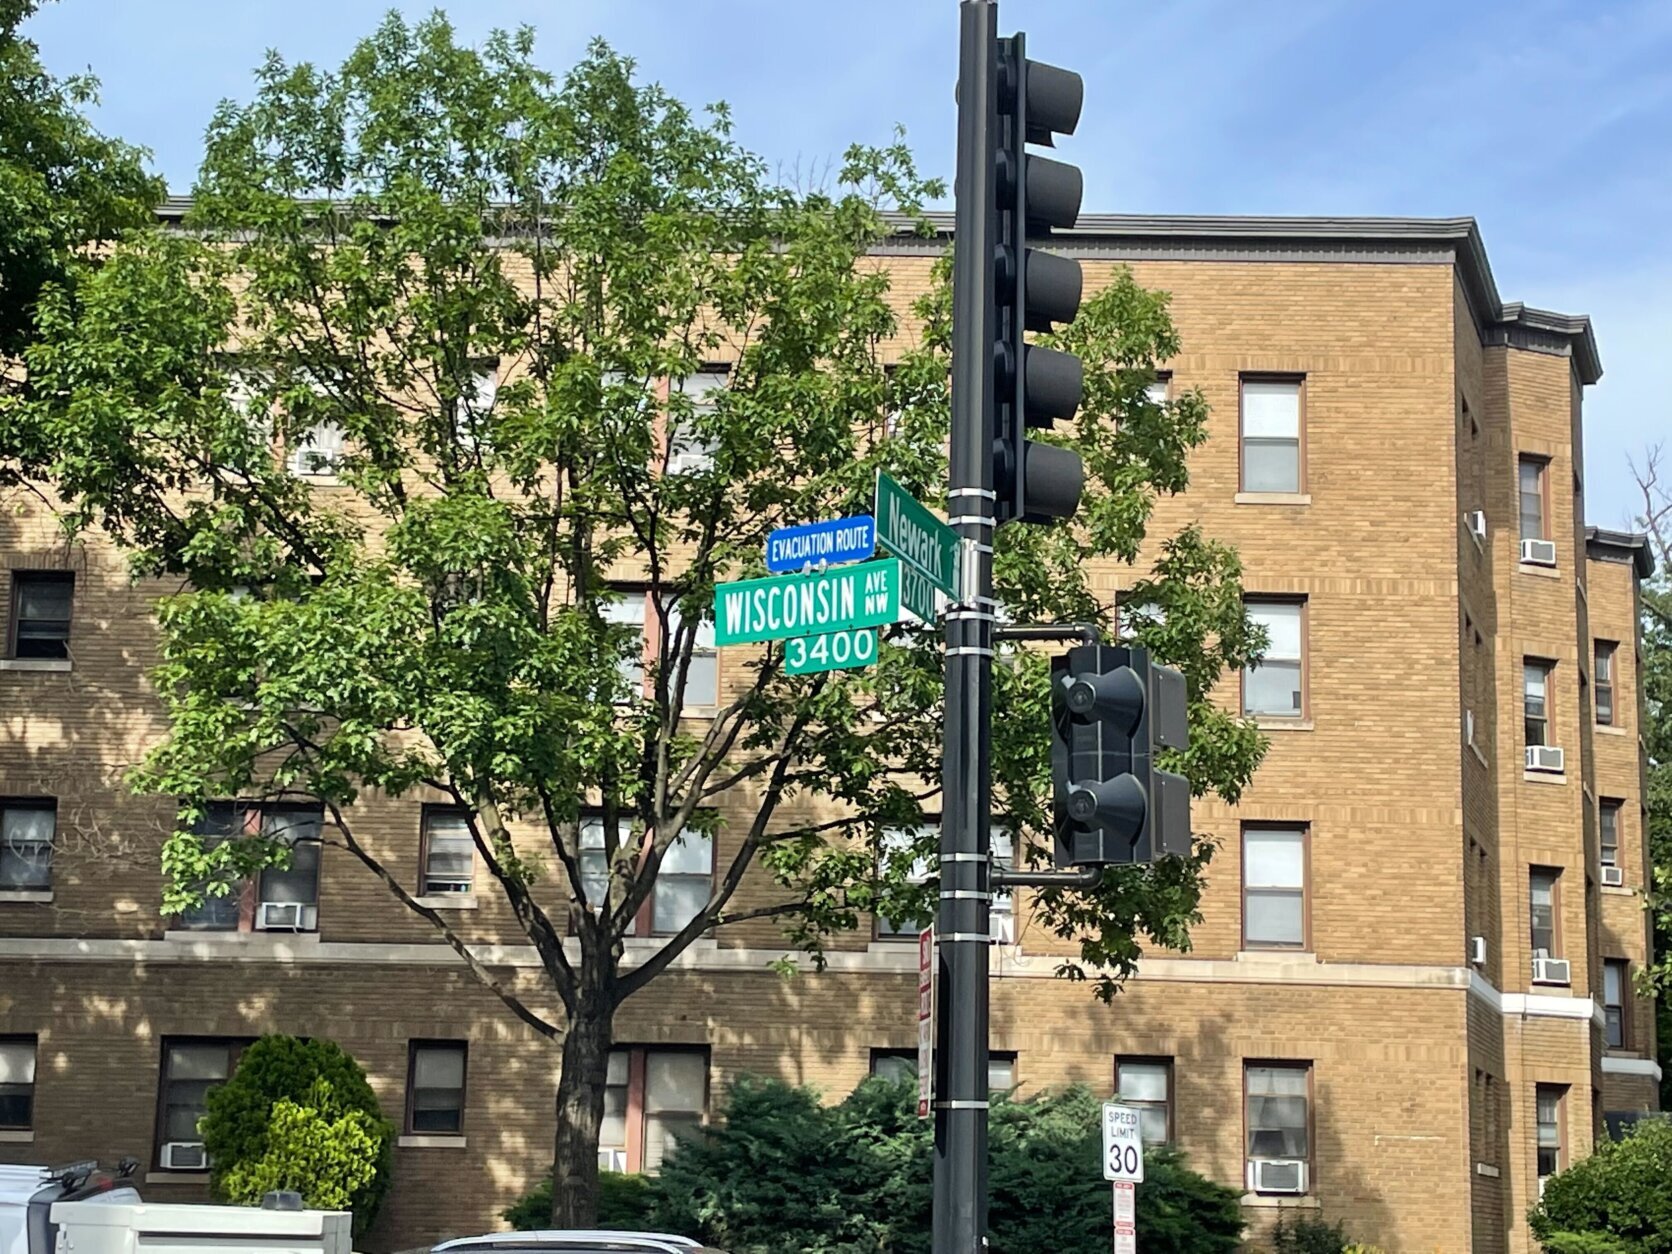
[[1549, 121]]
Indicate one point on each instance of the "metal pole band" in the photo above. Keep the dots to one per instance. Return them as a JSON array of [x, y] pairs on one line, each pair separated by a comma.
[[964, 894], [964, 857], [968, 650], [961, 1105], [985, 494], [977, 938]]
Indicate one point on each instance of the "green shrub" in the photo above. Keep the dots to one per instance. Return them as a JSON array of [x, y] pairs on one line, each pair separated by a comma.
[[623, 1204], [1308, 1234], [299, 1115], [782, 1173], [1622, 1192]]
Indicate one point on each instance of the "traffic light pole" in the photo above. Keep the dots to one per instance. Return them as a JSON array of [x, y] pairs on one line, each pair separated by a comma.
[[962, 919]]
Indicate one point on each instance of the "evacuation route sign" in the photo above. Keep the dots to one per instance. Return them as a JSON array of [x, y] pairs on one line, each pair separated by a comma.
[[866, 595], [834, 542], [909, 531], [925, 1021]]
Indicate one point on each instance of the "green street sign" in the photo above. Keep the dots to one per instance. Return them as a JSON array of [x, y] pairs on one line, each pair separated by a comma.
[[866, 595], [917, 594], [910, 532], [840, 650]]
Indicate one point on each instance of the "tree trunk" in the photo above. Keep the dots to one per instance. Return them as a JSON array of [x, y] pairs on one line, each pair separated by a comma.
[[580, 1114]]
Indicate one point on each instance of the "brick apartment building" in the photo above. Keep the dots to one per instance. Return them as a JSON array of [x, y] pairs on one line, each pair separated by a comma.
[[1410, 998]]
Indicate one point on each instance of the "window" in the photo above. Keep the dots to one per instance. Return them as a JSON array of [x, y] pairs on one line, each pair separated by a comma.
[[449, 852], [897, 841], [1002, 921], [595, 860], [1548, 1103], [1535, 697], [1274, 888], [17, 1082], [1274, 686], [1532, 483], [1615, 981], [282, 899], [192, 1065], [683, 882], [1147, 1083], [1608, 832], [41, 614], [1271, 422], [435, 1087], [901, 1064], [288, 897], [27, 829], [689, 448], [1157, 393], [1541, 908], [702, 675], [652, 1097], [1605, 682], [1278, 1118], [628, 611], [477, 394], [318, 451]]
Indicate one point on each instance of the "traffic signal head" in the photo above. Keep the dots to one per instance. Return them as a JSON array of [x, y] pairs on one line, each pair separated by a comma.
[[1035, 291], [1112, 710]]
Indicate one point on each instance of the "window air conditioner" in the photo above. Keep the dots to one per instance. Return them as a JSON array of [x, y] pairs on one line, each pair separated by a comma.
[[184, 1156], [1544, 758], [1552, 971], [1277, 1175], [1003, 928], [612, 1160], [1477, 523], [1613, 876], [1477, 950], [1538, 552], [286, 916]]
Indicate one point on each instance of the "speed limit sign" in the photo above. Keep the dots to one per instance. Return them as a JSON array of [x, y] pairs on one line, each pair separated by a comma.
[[1123, 1147]]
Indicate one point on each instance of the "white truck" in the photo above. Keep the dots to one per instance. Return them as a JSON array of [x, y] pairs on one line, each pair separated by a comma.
[[82, 1210]]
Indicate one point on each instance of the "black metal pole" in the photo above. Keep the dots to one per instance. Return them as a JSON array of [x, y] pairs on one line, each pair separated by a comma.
[[962, 919]]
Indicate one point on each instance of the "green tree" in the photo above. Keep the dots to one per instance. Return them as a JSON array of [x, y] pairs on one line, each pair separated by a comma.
[[441, 618], [1623, 1191], [782, 1173], [1655, 621], [299, 1114], [63, 186]]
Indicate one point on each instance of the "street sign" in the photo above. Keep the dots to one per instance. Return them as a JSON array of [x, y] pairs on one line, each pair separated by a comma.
[[925, 1021], [1126, 1202], [866, 595], [917, 594], [910, 532], [834, 542], [840, 650], [1126, 1241], [1123, 1149]]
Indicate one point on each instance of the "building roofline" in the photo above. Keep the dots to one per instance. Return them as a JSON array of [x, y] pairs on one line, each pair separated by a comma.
[[1633, 546], [1131, 235]]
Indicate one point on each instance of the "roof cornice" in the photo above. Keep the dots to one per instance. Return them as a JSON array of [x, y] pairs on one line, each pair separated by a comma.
[[1621, 546], [1131, 237]]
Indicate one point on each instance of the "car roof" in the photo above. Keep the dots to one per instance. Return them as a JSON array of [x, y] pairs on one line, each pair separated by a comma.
[[572, 1240]]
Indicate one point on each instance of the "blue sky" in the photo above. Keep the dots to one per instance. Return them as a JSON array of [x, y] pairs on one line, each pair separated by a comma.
[[1548, 120]]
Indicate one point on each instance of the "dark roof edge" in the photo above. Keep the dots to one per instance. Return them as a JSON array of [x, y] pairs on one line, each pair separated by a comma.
[[1461, 235], [1633, 545]]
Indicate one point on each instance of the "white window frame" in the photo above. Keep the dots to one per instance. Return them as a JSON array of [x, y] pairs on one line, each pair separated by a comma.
[[688, 453], [1274, 608], [895, 841], [31, 853], [318, 451]]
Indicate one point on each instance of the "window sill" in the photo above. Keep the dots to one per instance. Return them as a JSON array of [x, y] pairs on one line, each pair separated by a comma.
[[1277, 955], [41, 665], [176, 1177], [1268, 722], [431, 1140], [1282, 1201], [1609, 729], [1544, 777], [214, 937], [1542, 571], [1567, 984], [31, 896], [1617, 890], [1487, 1169], [448, 901], [1273, 498], [17, 1136]]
